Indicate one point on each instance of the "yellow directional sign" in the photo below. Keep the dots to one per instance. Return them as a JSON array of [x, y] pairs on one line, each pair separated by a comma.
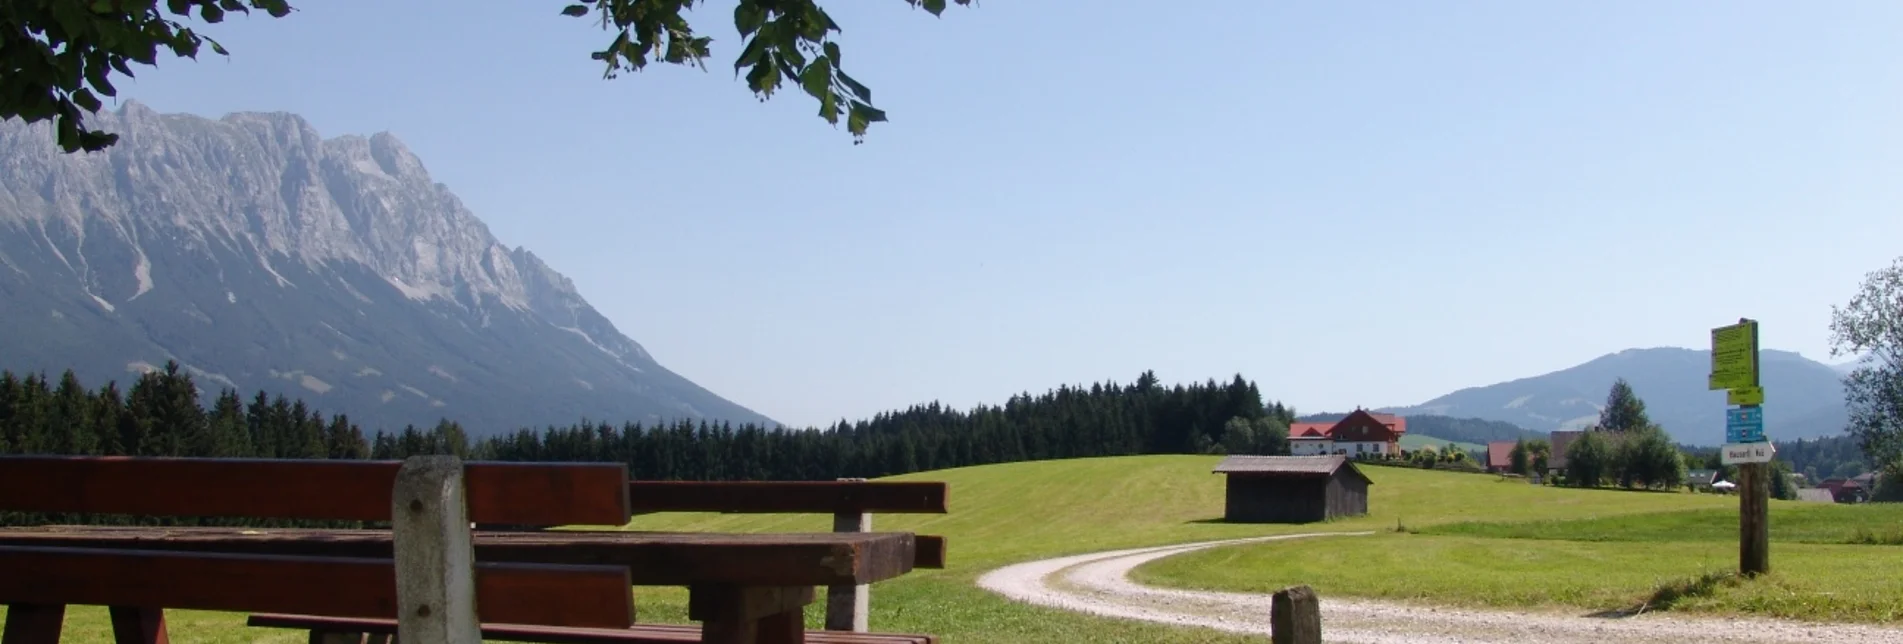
[[1734, 356], [1752, 395]]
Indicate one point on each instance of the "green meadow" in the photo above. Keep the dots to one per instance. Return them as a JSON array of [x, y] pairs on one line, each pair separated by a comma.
[[1002, 514], [1828, 562]]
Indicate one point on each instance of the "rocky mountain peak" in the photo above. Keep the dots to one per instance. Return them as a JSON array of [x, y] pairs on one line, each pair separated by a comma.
[[199, 215]]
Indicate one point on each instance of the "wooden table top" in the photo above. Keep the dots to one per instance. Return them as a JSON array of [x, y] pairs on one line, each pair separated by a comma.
[[653, 558]]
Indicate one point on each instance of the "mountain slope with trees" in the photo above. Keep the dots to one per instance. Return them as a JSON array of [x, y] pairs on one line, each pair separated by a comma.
[[1803, 398]]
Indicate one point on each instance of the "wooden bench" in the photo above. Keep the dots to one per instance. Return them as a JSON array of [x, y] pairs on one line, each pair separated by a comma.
[[428, 501], [336, 630], [742, 587], [851, 502]]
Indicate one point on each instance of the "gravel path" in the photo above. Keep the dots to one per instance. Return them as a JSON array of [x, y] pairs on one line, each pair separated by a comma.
[[1099, 584]]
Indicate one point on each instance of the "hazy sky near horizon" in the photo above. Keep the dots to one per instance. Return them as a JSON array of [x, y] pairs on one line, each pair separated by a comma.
[[1349, 203]]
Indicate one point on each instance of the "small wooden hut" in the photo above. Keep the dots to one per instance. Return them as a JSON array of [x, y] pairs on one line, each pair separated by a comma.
[[1292, 489]]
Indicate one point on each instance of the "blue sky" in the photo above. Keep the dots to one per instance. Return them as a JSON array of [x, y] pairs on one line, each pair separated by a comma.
[[1349, 203]]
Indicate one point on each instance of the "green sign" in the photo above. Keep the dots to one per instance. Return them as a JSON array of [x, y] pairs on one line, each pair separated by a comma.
[[1752, 395], [1734, 356]]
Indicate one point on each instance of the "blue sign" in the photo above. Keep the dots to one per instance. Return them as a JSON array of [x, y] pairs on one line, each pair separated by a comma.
[[1744, 425]]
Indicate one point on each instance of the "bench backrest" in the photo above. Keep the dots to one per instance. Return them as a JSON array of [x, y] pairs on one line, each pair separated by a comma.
[[590, 596], [540, 494], [792, 497]]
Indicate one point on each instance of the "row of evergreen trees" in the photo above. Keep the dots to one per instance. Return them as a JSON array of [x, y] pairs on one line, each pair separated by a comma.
[[160, 415]]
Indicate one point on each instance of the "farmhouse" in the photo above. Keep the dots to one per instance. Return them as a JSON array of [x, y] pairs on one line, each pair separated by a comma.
[[1292, 489], [1500, 456], [1361, 434]]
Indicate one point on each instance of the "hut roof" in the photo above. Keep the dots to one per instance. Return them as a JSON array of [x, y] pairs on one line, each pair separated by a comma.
[[1287, 466]]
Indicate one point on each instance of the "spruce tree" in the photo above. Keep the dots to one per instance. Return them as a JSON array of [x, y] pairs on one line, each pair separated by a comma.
[[1624, 411], [72, 417]]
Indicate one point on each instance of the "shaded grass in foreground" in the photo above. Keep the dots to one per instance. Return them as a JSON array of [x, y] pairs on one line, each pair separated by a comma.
[[1807, 582]]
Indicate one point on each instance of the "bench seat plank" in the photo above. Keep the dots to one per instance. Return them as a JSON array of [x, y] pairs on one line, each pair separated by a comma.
[[637, 634], [343, 490], [599, 596], [654, 558], [788, 497]]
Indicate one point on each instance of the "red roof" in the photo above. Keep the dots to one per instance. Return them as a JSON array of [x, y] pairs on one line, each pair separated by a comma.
[[1362, 420], [1500, 454], [1310, 430]]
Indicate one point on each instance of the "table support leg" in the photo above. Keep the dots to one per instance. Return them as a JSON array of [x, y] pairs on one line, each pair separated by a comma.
[[783, 628], [138, 625], [749, 614], [33, 624]]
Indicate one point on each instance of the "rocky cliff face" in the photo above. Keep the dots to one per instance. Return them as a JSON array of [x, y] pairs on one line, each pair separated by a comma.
[[262, 256]]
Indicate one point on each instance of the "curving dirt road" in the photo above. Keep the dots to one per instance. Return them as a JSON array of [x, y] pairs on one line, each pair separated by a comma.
[[1099, 584]]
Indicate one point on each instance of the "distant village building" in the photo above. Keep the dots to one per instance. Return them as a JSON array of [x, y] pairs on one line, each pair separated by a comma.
[[1556, 461], [1850, 490], [1816, 495], [1701, 479], [1362, 434], [1292, 489], [1500, 456]]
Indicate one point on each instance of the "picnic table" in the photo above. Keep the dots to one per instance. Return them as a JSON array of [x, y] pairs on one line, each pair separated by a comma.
[[742, 587]]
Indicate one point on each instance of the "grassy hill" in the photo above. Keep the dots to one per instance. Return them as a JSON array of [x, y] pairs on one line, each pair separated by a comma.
[[1412, 441], [1015, 512]]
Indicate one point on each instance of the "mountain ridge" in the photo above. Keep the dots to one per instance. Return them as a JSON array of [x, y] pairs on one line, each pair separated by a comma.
[[1803, 397], [251, 249]]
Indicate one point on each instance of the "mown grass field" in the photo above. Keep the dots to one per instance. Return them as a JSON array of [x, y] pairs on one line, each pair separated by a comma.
[[1828, 562], [1411, 442], [1016, 512]]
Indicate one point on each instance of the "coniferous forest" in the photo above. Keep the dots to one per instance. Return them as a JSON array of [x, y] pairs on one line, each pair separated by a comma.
[[160, 414]]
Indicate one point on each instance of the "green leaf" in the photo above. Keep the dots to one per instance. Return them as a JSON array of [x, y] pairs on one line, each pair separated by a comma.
[[85, 100], [119, 63], [832, 51], [576, 10], [817, 78], [179, 7], [934, 6], [748, 16], [762, 78], [277, 8], [97, 76], [751, 55], [864, 93]]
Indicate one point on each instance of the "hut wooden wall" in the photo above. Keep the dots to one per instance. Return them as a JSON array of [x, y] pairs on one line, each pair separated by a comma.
[[1281, 499]]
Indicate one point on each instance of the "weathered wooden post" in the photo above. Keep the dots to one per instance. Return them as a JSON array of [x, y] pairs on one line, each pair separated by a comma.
[[1295, 616], [1734, 368], [847, 606], [435, 561]]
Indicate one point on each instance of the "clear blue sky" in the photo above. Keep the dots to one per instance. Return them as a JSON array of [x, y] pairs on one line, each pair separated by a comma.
[[1350, 203]]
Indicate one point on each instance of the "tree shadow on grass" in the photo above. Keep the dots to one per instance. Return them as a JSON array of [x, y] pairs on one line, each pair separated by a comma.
[[1668, 594]]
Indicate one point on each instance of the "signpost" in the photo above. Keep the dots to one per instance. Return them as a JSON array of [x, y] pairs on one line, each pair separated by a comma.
[[1734, 368]]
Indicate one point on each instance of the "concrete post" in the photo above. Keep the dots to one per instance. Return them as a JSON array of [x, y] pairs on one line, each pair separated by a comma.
[[435, 561], [1295, 616], [847, 607]]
